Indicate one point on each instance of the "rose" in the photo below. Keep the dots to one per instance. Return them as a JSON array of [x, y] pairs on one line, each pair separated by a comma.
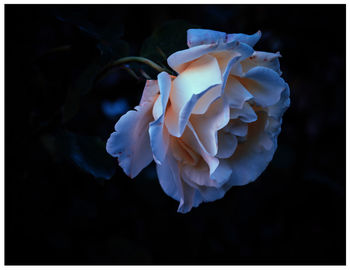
[[213, 126]]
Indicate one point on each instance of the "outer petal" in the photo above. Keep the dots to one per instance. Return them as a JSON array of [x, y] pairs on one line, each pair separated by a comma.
[[252, 157], [150, 91], [251, 40], [205, 193], [264, 84], [131, 138], [207, 125], [265, 59], [197, 37], [277, 110], [159, 137], [169, 175]]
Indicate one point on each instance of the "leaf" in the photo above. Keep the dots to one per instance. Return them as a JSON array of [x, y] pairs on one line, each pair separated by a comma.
[[165, 40], [89, 153], [86, 152], [81, 86]]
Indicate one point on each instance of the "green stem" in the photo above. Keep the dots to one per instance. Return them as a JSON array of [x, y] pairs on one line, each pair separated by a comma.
[[128, 59]]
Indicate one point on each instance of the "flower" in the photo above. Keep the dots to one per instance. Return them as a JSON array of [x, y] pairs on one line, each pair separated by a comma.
[[213, 126]]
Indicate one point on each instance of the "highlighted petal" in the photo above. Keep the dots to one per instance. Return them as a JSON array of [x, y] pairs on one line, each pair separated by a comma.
[[180, 60], [131, 138], [200, 77]]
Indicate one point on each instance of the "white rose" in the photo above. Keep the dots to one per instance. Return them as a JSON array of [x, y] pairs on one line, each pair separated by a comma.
[[213, 126]]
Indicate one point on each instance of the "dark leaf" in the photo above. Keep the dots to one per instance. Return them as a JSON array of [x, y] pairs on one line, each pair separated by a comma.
[[82, 85], [165, 40], [87, 152]]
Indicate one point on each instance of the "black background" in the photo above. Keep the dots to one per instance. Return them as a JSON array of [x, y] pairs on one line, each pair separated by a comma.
[[56, 213]]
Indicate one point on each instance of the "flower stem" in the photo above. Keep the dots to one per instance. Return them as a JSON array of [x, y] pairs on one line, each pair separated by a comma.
[[128, 59]]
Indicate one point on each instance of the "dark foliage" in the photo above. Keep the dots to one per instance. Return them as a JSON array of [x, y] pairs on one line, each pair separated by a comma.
[[59, 207]]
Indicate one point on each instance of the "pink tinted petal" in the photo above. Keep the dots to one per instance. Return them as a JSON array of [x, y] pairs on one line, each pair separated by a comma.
[[251, 40], [191, 138], [207, 125], [131, 138], [180, 60], [182, 152], [197, 175], [150, 91], [159, 136], [199, 78]]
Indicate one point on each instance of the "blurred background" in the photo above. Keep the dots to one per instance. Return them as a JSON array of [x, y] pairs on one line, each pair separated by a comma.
[[68, 202]]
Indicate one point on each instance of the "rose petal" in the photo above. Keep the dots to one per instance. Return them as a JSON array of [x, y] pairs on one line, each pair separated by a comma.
[[227, 144], [207, 125], [277, 110], [190, 137], [150, 92], [235, 93], [197, 37], [159, 136], [205, 193], [172, 184], [264, 84], [251, 40], [236, 127], [180, 60], [200, 77], [197, 175], [131, 138], [246, 114], [182, 152], [252, 157], [265, 59]]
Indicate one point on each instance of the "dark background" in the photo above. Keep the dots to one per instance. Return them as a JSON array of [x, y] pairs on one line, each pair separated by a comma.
[[60, 210]]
